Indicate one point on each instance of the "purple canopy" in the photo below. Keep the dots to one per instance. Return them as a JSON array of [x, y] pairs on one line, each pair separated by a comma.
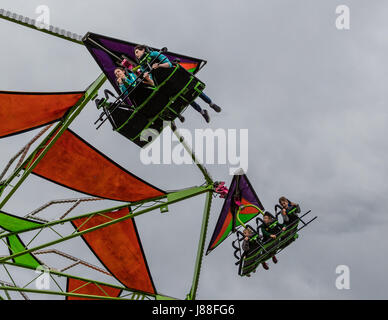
[[240, 186]]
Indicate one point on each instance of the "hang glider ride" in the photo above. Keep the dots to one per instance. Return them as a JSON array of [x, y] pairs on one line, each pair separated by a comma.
[[143, 107], [241, 206], [66, 159]]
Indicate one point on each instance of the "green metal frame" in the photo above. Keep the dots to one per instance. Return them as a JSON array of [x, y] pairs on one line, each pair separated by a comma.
[[172, 198], [30, 163], [177, 197], [284, 239], [201, 245]]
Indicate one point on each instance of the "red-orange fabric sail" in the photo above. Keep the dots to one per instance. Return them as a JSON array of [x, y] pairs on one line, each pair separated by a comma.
[[119, 249], [82, 287], [75, 164], [22, 111]]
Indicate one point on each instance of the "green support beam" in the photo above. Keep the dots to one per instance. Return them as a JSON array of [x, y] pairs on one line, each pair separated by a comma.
[[201, 245], [200, 166], [173, 198], [103, 225]]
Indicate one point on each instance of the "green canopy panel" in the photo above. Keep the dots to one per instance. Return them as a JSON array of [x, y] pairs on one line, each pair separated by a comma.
[[13, 223]]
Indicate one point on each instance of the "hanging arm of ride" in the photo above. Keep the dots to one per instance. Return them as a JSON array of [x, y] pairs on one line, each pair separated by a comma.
[[201, 246], [32, 24]]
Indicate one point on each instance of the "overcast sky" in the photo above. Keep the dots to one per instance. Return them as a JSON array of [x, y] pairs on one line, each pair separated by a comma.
[[312, 97]]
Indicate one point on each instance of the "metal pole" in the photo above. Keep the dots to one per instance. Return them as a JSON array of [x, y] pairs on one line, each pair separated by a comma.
[[201, 245], [192, 154], [31, 23]]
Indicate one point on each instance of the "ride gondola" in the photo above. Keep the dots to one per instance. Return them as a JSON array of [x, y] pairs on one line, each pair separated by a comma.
[[141, 107], [261, 251], [241, 206]]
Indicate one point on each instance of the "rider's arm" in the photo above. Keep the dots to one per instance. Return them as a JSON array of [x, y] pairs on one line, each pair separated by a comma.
[[148, 80], [163, 61], [165, 65]]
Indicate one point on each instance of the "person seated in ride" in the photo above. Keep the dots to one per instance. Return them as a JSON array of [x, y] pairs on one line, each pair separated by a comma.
[[270, 230], [248, 235], [289, 211], [125, 81], [164, 62]]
